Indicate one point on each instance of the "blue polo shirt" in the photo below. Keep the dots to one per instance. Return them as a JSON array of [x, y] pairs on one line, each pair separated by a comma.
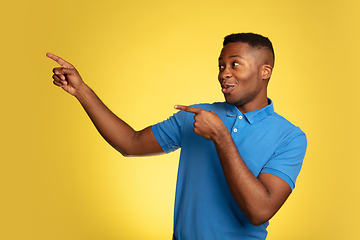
[[204, 206]]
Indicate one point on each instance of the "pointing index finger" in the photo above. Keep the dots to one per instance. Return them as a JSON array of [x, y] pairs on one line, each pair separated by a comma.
[[188, 109], [59, 60]]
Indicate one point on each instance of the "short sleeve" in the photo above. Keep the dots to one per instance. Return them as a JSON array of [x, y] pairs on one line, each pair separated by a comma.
[[168, 133], [287, 160]]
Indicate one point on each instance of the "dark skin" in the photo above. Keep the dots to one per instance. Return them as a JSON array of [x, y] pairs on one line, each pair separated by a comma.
[[115, 131], [244, 73]]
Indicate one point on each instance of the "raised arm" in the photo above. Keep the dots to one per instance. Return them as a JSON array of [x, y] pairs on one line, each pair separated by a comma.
[[114, 130], [260, 197]]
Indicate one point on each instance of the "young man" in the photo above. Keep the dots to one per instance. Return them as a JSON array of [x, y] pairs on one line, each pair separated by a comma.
[[239, 159]]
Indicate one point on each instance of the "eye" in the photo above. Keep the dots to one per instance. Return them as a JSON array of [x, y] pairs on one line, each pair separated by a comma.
[[221, 66], [235, 64]]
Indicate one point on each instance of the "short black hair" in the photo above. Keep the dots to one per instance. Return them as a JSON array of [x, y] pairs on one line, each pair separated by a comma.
[[254, 40]]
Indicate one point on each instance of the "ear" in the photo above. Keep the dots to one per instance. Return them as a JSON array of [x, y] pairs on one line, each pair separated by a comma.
[[266, 71]]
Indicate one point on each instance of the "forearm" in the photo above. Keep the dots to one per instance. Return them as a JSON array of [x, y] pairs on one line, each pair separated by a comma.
[[114, 130], [258, 197], [251, 195]]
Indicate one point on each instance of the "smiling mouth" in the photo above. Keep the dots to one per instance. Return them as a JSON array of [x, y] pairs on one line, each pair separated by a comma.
[[226, 89]]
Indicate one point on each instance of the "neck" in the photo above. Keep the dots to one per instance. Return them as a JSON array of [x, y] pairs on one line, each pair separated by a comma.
[[254, 105]]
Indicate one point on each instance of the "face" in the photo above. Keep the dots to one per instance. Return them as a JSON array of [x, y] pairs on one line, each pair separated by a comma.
[[241, 75]]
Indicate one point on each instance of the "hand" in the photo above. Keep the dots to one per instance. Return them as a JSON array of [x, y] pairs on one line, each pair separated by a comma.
[[66, 76], [207, 124]]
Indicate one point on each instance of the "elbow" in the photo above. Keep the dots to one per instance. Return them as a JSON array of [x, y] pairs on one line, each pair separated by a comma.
[[258, 221], [259, 218], [129, 152], [126, 152]]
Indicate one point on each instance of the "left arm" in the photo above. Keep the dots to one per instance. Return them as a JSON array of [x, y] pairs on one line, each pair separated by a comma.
[[260, 197]]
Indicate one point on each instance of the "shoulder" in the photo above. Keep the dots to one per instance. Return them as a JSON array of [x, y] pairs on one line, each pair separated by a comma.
[[291, 134], [277, 119]]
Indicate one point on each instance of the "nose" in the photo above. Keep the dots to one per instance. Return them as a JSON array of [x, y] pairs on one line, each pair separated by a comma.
[[225, 74]]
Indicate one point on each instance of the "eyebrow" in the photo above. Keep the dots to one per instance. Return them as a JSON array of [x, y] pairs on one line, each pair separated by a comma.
[[232, 56]]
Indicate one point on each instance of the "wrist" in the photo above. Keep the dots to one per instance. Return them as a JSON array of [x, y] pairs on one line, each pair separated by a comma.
[[221, 136], [82, 92]]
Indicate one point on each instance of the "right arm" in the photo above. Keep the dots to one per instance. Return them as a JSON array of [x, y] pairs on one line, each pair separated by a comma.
[[114, 130]]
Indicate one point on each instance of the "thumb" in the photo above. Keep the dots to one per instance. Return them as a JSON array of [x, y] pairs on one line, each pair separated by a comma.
[[64, 71]]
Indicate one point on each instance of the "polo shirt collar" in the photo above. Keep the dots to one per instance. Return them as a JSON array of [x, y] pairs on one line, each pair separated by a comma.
[[254, 116]]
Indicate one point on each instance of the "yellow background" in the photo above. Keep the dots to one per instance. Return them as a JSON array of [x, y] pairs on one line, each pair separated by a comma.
[[61, 180]]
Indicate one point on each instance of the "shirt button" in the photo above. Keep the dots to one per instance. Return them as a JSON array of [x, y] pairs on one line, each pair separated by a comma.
[[235, 130], [240, 117]]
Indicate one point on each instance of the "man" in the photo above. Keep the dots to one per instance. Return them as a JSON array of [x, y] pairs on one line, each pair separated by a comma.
[[239, 159]]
